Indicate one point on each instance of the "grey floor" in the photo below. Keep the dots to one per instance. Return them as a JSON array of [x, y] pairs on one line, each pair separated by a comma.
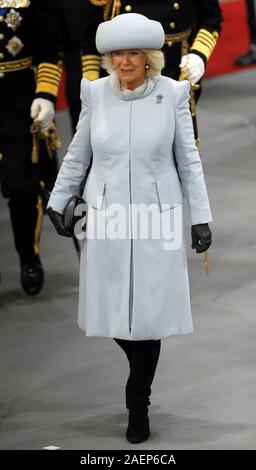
[[60, 388]]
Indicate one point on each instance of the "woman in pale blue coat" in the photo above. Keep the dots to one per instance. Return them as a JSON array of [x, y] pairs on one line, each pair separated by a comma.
[[136, 126]]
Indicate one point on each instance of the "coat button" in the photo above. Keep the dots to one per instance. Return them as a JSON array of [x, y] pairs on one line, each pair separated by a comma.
[[172, 25], [1, 19], [1, 55], [176, 6], [1, 36], [1, 157], [128, 8], [169, 43]]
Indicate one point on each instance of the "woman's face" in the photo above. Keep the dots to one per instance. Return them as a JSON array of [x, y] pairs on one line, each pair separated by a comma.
[[130, 67]]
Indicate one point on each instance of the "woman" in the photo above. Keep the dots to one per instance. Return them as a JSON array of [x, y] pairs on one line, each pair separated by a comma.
[[134, 287]]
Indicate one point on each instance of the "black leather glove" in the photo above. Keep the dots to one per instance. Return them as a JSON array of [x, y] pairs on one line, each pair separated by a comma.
[[201, 237], [57, 220]]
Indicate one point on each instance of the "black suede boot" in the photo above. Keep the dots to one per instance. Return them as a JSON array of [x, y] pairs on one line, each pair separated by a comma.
[[145, 355], [138, 426]]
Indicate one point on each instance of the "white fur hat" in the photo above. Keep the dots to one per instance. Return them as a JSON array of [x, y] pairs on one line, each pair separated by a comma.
[[129, 31]]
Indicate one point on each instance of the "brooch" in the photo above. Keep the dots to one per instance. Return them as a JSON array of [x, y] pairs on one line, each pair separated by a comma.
[[159, 99]]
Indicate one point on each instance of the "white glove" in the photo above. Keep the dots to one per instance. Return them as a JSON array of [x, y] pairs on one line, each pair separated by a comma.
[[43, 111], [195, 66]]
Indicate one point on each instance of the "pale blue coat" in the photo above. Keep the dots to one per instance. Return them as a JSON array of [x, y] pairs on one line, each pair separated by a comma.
[[133, 288]]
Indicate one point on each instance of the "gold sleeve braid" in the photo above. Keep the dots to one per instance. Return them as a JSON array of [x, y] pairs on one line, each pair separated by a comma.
[[48, 77], [205, 42], [91, 66]]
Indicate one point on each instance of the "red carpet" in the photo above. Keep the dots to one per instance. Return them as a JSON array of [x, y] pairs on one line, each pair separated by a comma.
[[234, 40]]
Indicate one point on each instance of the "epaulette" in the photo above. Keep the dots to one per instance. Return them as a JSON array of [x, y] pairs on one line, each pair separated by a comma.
[[14, 3], [111, 7]]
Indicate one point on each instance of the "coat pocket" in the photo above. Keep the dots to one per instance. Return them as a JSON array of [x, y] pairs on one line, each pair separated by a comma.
[[168, 191], [94, 191]]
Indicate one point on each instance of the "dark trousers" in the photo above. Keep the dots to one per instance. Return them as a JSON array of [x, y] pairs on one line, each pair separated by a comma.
[[26, 218], [19, 177], [143, 358]]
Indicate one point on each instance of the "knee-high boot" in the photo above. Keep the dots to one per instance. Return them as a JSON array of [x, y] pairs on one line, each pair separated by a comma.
[[126, 346], [145, 355]]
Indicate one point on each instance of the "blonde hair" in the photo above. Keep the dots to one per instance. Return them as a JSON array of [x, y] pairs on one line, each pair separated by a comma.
[[154, 59]]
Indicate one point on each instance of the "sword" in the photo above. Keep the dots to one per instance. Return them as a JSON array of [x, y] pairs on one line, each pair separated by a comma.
[[53, 142]]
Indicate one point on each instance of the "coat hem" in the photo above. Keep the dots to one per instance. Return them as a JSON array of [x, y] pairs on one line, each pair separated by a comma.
[[173, 333]]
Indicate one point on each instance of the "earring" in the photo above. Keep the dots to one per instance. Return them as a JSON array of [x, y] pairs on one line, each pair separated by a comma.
[[146, 66]]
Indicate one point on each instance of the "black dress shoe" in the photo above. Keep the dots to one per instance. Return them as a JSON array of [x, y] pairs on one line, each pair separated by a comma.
[[138, 427], [32, 276], [248, 58]]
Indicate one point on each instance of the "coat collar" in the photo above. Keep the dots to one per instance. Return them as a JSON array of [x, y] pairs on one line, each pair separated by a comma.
[[141, 92]]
